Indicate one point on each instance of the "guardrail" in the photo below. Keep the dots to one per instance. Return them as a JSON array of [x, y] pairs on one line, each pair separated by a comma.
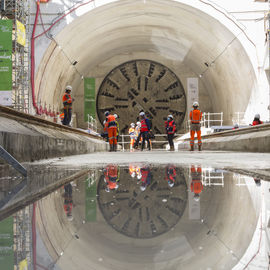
[[123, 142]]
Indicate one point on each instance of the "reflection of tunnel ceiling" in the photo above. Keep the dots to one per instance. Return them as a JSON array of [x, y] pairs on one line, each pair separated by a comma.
[[142, 85], [143, 214]]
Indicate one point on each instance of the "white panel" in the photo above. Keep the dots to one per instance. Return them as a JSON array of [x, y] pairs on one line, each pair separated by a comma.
[[193, 92], [5, 98]]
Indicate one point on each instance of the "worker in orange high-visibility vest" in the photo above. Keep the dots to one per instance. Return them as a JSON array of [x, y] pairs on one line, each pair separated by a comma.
[[112, 131], [67, 102], [195, 117], [196, 185]]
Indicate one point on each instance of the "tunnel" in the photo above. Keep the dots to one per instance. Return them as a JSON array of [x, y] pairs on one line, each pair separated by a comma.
[[141, 54]]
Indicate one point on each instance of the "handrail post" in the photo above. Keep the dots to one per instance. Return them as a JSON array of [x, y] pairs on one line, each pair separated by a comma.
[[208, 119], [221, 118], [123, 145]]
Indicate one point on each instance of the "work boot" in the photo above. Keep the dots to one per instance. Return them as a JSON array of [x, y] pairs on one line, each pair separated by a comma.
[[111, 148], [115, 148], [200, 147], [171, 147], [192, 148]]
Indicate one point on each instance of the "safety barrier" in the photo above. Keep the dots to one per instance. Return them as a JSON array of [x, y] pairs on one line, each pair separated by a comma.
[[91, 123], [123, 142]]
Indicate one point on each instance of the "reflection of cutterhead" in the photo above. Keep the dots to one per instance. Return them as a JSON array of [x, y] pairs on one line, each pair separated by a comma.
[[196, 185], [68, 202], [111, 177]]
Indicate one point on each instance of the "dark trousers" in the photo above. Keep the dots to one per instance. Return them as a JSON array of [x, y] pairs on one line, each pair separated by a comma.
[[145, 137], [170, 140], [67, 117], [137, 140]]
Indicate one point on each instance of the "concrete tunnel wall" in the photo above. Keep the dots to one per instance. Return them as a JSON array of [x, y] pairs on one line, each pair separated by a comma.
[[176, 35]]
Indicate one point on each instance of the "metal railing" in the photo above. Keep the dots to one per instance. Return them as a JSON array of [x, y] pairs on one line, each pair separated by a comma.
[[91, 123], [124, 142], [208, 120]]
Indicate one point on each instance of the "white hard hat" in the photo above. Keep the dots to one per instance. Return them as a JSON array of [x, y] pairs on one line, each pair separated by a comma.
[[170, 116], [141, 113], [196, 197], [69, 87], [115, 115], [143, 188], [236, 125], [170, 183], [257, 116], [195, 104], [69, 218], [132, 124]]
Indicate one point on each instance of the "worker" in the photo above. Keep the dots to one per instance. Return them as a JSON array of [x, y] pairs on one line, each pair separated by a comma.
[[118, 130], [196, 185], [67, 102], [195, 117], [170, 175], [145, 128], [170, 129], [104, 134], [111, 177], [257, 120], [236, 126], [112, 131], [61, 116], [137, 135], [68, 202], [131, 133]]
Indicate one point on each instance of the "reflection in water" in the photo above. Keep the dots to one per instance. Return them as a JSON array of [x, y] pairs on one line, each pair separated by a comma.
[[135, 217], [145, 206]]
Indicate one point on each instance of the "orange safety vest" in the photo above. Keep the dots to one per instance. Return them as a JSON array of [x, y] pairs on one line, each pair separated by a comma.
[[111, 121], [195, 116], [196, 186], [67, 100], [62, 115]]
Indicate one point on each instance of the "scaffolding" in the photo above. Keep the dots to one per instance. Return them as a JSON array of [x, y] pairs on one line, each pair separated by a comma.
[[19, 10], [23, 237]]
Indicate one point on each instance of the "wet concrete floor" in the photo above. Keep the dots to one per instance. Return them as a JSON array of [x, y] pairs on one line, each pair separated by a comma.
[[134, 216]]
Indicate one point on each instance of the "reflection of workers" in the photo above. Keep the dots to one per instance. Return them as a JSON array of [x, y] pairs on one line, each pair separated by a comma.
[[145, 128], [112, 131], [67, 102], [131, 133], [196, 185], [111, 177], [170, 129], [132, 170], [257, 120], [195, 117], [170, 175], [145, 178], [68, 202], [257, 181]]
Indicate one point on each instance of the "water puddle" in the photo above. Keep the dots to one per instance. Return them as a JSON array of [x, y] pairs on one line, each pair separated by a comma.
[[139, 216]]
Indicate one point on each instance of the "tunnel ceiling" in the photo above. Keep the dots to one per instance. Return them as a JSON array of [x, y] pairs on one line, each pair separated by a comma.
[[177, 36]]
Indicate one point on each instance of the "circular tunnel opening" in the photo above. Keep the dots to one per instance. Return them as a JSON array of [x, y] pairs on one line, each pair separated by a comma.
[[142, 85]]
